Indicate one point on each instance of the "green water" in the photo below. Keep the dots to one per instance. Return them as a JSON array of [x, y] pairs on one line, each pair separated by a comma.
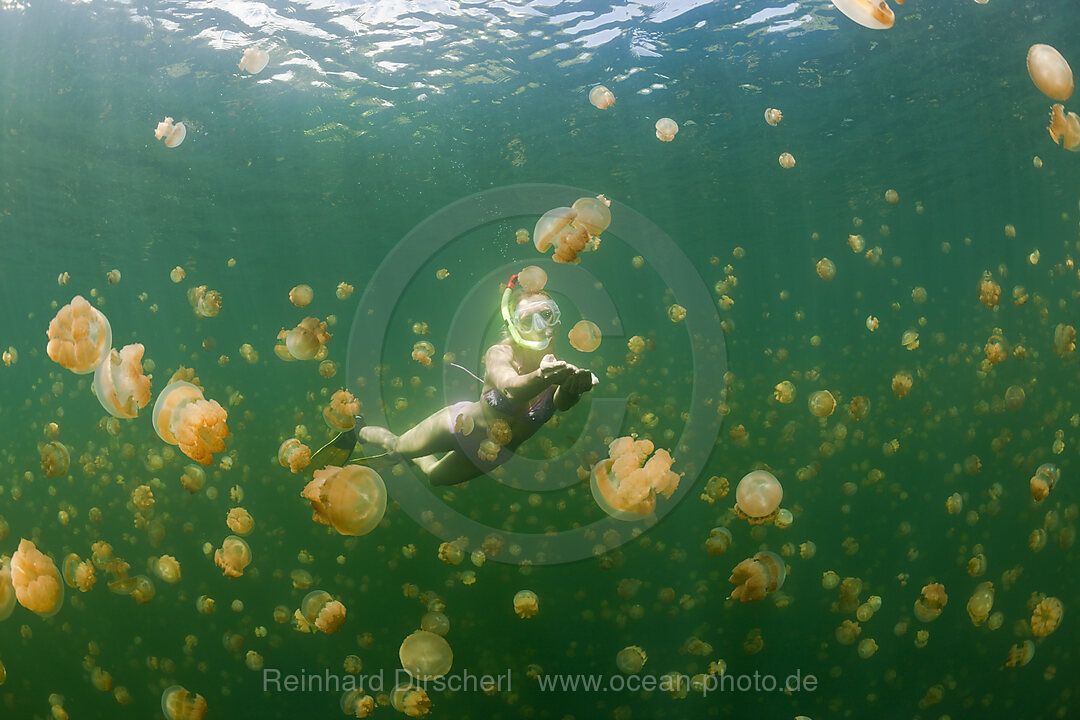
[[371, 120]]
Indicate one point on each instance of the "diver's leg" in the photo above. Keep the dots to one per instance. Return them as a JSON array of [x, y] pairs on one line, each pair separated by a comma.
[[378, 436], [431, 435], [452, 469]]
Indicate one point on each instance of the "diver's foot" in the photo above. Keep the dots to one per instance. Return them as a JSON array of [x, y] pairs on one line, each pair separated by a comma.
[[358, 425]]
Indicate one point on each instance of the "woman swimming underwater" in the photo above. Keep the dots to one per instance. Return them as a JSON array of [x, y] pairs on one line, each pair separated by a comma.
[[524, 385]]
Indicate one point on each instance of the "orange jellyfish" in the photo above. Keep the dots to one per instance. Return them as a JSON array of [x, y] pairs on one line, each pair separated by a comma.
[[532, 279], [756, 577], [240, 521], [253, 60], [758, 496], [55, 459], [294, 455], [204, 302], [301, 295], [773, 116], [7, 590], [1064, 129], [172, 133], [1043, 481], [304, 341], [422, 352], [571, 230], [1064, 340], [341, 410], [320, 612], [981, 602], [80, 337], [901, 383], [821, 403], [719, 541], [119, 383], [36, 580], [666, 129], [625, 485], [868, 13], [352, 499], [585, 336], [932, 601], [425, 655], [601, 97], [1046, 617], [179, 704], [183, 417], [78, 573], [1050, 72], [233, 556]]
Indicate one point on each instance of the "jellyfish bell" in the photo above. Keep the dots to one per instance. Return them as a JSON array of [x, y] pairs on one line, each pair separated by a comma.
[[254, 60], [758, 496], [1050, 71], [666, 129], [1043, 481], [340, 412], [593, 213], [601, 97], [80, 337], [55, 459], [233, 556], [179, 704], [172, 133], [7, 590], [425, 655], [319, 611], [786, 160], [37, 582], [532, 279], [773, 116], [625, 485], [585, 336], [350, 499], [184, 417], [868, 13], [306, 339], [551, 225], [119, 382]]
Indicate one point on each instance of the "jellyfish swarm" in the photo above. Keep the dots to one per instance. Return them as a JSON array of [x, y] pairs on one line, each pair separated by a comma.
[[350, 499], [183, 417], [80, 337], [601, 97], [253, 60], [119, 383], [320, 612], [172, 133], [1043, 481], [341, 410], [233, 556], [625, 485], [7, 590], [1064, 129], [179, 704], [425, 655], [570, 229], [36, 580], [303, 342], [874, 15], [756, 577], [585, 336], [1050, 72], [758, 496]]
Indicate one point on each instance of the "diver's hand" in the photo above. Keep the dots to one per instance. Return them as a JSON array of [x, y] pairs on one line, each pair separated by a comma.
[[580, 382], [551, 368]]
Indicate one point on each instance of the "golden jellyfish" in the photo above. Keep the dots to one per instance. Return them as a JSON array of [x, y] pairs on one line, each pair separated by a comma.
[[891, 196], [1050, 71], [784, 392], [758, 496], [204, 302], [179, 704], [352, 499], [826, 269], [172, 133], [436, 622], [254, 60], [932, 601], [876, 15], [119, 382], [1014, 397], [240, 521], [756, 577], [773, 116], [526, 604], [425, 655], [193, 478], [625, 485], [1064, 340], [901, 383], [601, 97], [422, 352], [168, 569], [305, 340], [996, 349], [233, 556], [80, 337], [79, 574], [1043, 481], [10, 356], [676, 313], [410, 700], [183, 417], [55, 459], [532, 279], [585, 336], [358, 704], [294, 455], [1064, 129], [719, 541], [980, 603], [177, 274], [36, 580], [301, 295], [1021, 654], [630, 660], [571, 230], [340, 413], [7, 590], [821, 403], [319, 611], [786, 160], [666, 129], [859, 408], [1046, 617], [989, 291]]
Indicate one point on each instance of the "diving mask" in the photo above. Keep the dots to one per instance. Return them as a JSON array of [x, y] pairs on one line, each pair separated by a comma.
[[534, 318]]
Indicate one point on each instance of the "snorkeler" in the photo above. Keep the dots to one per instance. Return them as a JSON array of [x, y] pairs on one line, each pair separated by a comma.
[[524, 385]]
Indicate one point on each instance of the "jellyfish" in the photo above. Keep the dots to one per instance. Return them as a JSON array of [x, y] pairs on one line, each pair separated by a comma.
[[172, 133], [301, 295], [571, 229], [240, 521], [179, 704], [585, 336], [786, 160], [320, 612], [79, 574], [1046, 617], [204, 302], [756, 577], [719, 541], [1021, 654], [1064, 340], [80, 337], [119, 383], [425, 655], [666, 129], [233, 556], [435, 622], [352, 499], [168, 569], [37, 582], [410, 700], [1050, 72], [253, 60], [183, 417], [193, 478], [601, 97], [1064, 129], [422, 352], [901, 383], [305, 341], [626, 484], [7, 590], [526, 604], [55, 459], [356, 703], [143, 590], [868, 13], [341, 410], [758, 496], [784, 392], [773, 116], [821, 403], [630, 660], [532, 279], [294, 455], [1043, 481], [980, 603], [989, 291], [932, 601]]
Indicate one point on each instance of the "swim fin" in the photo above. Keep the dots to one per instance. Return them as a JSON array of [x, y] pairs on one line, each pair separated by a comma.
[[337, 451]]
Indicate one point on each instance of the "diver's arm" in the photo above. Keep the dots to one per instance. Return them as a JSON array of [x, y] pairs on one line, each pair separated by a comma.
[[499, 369], [572, 388]]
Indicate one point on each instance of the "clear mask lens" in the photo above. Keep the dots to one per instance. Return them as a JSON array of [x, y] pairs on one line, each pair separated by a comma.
[[536, 317]]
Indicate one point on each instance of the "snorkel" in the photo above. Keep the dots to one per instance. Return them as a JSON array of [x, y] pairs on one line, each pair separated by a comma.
[[512, 322]]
